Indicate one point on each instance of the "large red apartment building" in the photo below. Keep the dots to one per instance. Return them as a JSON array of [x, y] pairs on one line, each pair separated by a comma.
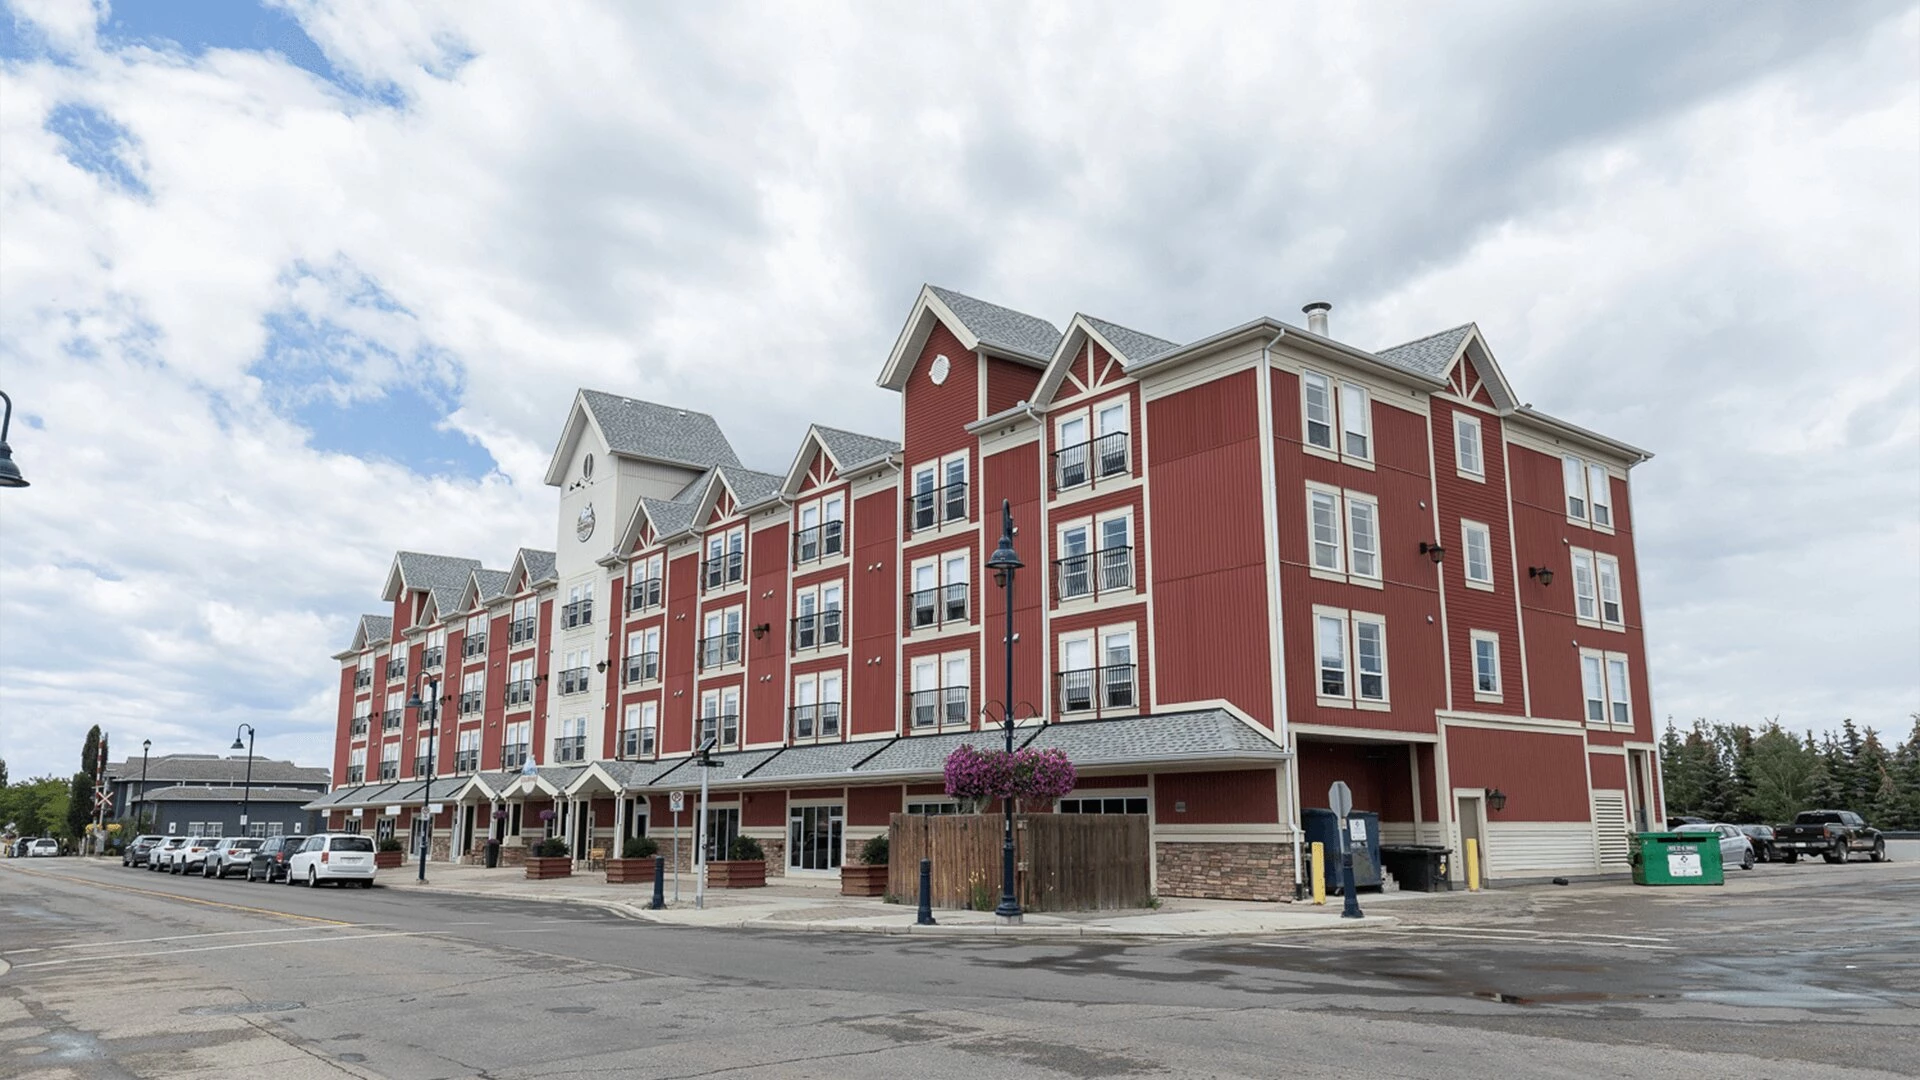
[[1254, 564]]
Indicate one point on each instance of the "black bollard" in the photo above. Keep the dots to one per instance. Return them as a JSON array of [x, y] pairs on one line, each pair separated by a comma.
[[926, 894], [659, 882], [1352, 908]]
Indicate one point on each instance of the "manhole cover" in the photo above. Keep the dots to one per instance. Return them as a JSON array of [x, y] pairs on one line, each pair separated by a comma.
[[242, 1007]]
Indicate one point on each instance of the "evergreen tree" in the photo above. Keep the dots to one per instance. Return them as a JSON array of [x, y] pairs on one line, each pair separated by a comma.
[[3, 772], [90, 753], [79, 806], [1783, 776], [1836, 775], [1906, 773]]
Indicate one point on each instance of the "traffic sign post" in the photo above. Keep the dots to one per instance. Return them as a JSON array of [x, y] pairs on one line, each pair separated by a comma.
[[1340, 800], [677, 802]]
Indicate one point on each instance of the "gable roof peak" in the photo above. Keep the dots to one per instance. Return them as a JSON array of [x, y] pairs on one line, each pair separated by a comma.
[[979, 325]]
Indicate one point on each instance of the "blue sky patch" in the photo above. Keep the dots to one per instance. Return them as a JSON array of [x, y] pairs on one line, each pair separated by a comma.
[[401, 425], [96, 142]]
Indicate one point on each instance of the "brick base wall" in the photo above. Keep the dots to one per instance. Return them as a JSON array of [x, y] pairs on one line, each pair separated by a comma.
[[1225, 871], [776, 853]]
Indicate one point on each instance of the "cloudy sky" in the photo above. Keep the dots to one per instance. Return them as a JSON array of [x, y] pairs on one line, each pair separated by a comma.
[[287, 286]]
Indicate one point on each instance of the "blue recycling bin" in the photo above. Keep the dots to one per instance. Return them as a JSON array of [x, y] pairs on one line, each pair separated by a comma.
[[1323, 826]]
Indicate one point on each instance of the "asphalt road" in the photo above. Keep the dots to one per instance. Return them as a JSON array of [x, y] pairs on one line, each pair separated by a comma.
[[1797, 971]]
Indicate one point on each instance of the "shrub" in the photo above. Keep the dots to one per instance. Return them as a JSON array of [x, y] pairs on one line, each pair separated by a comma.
[[391, 844], [551, 848], [639, 847], [745, 848], [874, 851]]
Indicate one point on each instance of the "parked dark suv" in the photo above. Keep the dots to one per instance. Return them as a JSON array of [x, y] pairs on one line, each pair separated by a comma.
[[136, 852], [270, 858]]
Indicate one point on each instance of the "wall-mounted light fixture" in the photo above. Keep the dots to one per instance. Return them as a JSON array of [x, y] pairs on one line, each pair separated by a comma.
[[760, 631], [1544, 573], [1433, 551], [1496, 800], [601, 667]]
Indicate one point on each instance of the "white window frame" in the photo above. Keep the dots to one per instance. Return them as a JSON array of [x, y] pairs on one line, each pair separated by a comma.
[[1476, 639], [1600, 687], [1100, 642], [1580, 478], [1466, 433], [1095, 527], [1586, 586], [1321, 496], [941, 467], [1349, 413], [1343, 503], [1357, 500], [1352, 426], [1349, 624], [1573, 485], [1329, 395], [941, 566], [1469, 531], [1599, 496], [1607, 575], [1330, 627]]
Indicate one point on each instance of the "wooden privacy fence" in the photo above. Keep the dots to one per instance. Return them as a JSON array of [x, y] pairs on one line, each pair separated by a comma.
[[1062, 862]]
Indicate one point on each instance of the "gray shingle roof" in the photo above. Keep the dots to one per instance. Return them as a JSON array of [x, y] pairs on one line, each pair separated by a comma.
[[207, 768], [540, 564], [1134, 345], [751, 487], [445, 576], [669, 516], [190, 793], [376, 628], [1428, 355], [852, 449], [1209, 734], [1003, 328], [661, 432], [921, 755], [489, 584], [827, 761], [732, 766]]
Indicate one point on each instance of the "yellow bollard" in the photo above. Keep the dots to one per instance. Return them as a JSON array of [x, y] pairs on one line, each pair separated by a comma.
[[1473, 865], [1319, 873]]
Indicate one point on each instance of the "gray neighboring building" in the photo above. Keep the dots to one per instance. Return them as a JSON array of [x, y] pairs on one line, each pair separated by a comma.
[[187, 810], [208, 771]]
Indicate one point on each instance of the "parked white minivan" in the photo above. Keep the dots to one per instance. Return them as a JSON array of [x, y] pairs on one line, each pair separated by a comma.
[[335, 857]]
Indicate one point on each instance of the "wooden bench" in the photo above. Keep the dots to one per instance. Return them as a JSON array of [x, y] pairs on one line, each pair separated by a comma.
[[597, 858]]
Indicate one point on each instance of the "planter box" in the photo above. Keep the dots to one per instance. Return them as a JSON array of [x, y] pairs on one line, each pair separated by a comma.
[[737, 873], [541, 868], [863, 880], [389, 860], [630, 871]]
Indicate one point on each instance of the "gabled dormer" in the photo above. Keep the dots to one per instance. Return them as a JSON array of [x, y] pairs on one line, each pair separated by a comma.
[[420, 585], [532, 570], [1094, 355], [1460, 358], [830, 456]]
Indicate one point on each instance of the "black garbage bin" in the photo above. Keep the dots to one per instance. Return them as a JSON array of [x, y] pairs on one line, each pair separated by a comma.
[[493, 854], [1417, 867]]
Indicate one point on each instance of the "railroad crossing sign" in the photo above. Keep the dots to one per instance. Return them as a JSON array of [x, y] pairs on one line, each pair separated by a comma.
[[1340, 798]]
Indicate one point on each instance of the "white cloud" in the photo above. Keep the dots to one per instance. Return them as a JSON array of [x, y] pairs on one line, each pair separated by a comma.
[[1695, 232]]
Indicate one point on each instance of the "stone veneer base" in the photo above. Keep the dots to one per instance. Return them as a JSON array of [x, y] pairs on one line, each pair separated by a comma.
[[1224, 871]]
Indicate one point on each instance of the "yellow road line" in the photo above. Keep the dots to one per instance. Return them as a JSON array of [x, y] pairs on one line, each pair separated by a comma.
[[184, 899]]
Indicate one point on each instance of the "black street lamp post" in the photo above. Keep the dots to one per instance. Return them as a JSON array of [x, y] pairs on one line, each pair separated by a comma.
[[430, 717], [1004, 562], [146, 745], [9, 472], [246, 793]]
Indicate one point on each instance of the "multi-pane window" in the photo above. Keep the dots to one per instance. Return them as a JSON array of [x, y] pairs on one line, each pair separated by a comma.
[[521, 630], [357, 765], [1596, 589], [473, 687], [726, 561], [1610, 609], [363, 674], [474, 641], [514, 744], [397, 662], [390, 761], [938, 698], [814, 837], [1351, 647], [637, 730], [1356, 422], [939, 493], [520, 683], [1486, 665], [940, 591], [822, 530], [435, 653], [1600, 495], [1324, 514], [1351, 422], [816, 619], [1088, 458], [571, 743], [1466, 446], [574, 671], [1586, 600], [1316, 392], [396, 709], [578, 610], [643, 655], [816, 707], [720, 718], [720, 645], [1603, 682], [645, 591], [1589, 492], [423, 756], [1477, 540], [1330, 637], [1108, 804], [1096, 556], [466, 757], [1343, 533], [1097, 671]]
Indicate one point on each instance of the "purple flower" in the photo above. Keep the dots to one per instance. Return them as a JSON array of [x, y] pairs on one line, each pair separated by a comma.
[[983, 775], [546, 815]]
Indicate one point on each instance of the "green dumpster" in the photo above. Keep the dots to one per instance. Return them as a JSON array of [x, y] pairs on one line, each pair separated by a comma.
[[1664, 858]]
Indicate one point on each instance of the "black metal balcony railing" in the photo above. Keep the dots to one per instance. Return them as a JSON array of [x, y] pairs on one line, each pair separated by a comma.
[[362, 679], [728, 569], [930, 507], [390, 720], [937, 606], [944, 707], [513, 755], [643, 594], [642, 667], [1098, 689], [389, 770], [577, 613], [570, 748], [1093, 573], [812, 723], [519, 692], [359, 726], [422, 765], [636, 742], [520, 632], [466, 761], [816, 631], [396, 669], [474, 645], [470, 701], [356, 774], [574, 680], [719, 650], [819, 542], [434, 657], [1090, 462], [724, 727]]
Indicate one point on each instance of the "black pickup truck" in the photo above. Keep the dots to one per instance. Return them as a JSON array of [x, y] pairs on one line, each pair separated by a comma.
[[1830, 834]]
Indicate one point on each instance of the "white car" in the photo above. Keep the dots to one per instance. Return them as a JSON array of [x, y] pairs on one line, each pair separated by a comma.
[[342, 858], [161, 855], [42, 847], [191, 857], [1735, 848], [231, 856]]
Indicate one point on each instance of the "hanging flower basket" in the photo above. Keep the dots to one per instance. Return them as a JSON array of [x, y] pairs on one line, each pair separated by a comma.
[[986, 776]]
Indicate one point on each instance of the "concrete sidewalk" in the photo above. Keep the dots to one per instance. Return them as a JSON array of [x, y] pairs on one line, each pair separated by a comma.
[[820, 907]]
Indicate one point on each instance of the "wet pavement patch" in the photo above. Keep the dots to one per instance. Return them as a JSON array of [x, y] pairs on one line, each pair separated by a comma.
[[572, 1010], [243, 1008]]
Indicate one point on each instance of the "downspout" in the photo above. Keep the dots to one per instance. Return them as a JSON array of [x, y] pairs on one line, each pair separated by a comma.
[[1270, 530]]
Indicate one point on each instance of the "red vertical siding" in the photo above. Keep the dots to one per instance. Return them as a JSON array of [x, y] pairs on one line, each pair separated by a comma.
[[1239, 797], [543, 671], [769, 549], [1009, 384], [1608, 770], [870, 806], [1379, 774], [1544, 775], [1474, 609], [679, 704], [614, 603], [874, 613], [343, 726], [1014, 475]]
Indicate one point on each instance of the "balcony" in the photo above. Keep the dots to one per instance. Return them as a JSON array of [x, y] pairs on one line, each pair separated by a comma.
[[422, 765], [519, 692], [475, 645], [724, 727], [1093, 573], [574, 680], [434, 657], [577, 614], [635, 743], [643, 594], [356, 774], [390, 720], [520, 632], [396, 669], [719, 650], [470, 701], [942, 709], [466, 761], [513, 755], [1091, 462], [728, 569], [930, 508], [362, 678], [359, 728], [389, 770], [813, 723], [1098, 690], [819, 542], [936, 607], [570, 748], [642, 667], [815, 631]]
